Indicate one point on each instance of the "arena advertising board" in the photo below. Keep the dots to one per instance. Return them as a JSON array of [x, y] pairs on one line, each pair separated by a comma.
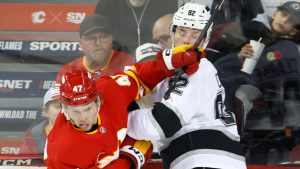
[[21, 95], [43, 17], [61, 51], [18, 119], [25, 84]]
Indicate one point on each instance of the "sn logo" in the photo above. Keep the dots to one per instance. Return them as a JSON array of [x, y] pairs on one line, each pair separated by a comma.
[[75, 17]]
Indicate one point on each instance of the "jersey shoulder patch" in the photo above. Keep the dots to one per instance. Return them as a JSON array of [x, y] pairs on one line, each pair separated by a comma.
[[121, 80]]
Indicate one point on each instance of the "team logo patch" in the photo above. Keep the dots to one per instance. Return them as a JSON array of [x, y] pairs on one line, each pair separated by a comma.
[[167, 52], [97, 74], [102, 129], [273, 55]]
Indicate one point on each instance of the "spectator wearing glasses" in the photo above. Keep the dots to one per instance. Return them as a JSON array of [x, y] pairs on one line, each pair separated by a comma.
[[161, 31], [96, 41]]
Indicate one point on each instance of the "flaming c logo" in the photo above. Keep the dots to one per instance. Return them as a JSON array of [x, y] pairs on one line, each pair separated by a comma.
[[38, 17]]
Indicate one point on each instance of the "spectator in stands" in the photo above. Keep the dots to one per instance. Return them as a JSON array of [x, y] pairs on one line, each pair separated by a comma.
[[35, 136], [96, 41], [283, 24], [132, 20], [282, 27], [161, 31]]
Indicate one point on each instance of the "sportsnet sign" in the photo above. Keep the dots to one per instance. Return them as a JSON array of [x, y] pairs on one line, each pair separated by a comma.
[[54, 46], [43, 17], [48, 48], [60, 50], [25, 84], [18, 118]]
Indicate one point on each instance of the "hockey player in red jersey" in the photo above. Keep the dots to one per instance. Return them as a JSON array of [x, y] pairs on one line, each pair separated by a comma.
[[91, 130], [191, 129]]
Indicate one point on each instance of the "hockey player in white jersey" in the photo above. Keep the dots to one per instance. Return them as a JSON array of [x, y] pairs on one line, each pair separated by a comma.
[[191, 129]]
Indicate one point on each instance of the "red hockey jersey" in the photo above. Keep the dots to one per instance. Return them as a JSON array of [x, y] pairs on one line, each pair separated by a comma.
[[68, 147]]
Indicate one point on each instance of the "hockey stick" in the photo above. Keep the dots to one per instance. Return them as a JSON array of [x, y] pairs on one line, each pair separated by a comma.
[[195, 46]]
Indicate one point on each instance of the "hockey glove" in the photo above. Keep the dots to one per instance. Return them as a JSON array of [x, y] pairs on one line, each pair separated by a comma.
[[134, 154], [178, 57], [139, 151]]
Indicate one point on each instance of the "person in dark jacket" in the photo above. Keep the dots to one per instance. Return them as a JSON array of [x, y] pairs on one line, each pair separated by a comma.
[[279, 59], [132, 20]]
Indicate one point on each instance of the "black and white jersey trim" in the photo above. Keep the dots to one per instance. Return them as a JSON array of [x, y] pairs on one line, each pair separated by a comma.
[[202, 142], [162, 116]]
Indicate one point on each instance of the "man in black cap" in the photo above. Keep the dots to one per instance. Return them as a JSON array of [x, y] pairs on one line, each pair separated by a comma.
[[99, 58]]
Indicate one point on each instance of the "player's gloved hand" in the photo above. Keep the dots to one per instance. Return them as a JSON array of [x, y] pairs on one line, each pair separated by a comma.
[[138, 151], [136, 156], [191, 69], [178, 57]]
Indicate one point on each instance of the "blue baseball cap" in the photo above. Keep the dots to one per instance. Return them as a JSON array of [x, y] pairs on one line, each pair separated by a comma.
[[293, 7]]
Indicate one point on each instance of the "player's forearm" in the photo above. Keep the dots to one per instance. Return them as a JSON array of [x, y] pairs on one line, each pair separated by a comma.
[[150, 73]]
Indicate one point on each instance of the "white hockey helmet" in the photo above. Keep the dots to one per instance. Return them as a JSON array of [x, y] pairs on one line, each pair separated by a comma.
[[192, 15]]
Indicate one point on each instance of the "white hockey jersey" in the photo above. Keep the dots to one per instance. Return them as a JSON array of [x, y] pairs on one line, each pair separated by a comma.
[[191, 128]]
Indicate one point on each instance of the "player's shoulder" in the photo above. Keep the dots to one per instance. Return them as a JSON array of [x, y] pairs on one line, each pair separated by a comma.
[[60, 120], [58, 126], [206, 66], [112, 83], [206, 62]]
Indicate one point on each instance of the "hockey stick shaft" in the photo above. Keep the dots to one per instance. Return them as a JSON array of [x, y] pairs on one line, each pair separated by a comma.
[[206, 27]]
